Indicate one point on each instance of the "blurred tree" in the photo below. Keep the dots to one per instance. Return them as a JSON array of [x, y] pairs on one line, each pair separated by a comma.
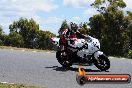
[[97, 25], [108, 25], [126, 34], [27, 33], [7, 40], [44, 40], [1, 42], [16, 40], [1, 36], [83, 28], [1, 30], [27, 29]]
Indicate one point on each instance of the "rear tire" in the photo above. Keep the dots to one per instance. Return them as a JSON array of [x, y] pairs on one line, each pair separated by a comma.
[[65, 61], [103, 63]]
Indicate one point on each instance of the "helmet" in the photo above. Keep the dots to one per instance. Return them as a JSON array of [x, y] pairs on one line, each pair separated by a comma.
[[73, 27]]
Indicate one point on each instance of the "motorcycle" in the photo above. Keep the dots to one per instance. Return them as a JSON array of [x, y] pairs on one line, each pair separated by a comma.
[[87, 53]]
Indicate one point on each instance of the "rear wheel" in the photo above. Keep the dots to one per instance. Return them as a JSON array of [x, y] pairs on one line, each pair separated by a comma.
[[63, 58], [102, 63]]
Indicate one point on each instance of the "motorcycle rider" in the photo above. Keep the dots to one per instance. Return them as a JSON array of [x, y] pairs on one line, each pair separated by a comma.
[[69, 36], [66, 36], [63, 42], [72, 35]]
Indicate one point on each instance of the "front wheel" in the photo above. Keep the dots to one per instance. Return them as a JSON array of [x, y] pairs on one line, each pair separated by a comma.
[[102, 63], [64, 60]]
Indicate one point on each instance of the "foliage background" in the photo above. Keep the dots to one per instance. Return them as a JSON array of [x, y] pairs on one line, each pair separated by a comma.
[[112, 26]]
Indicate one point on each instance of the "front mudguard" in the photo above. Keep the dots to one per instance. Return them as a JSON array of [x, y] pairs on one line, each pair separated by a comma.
[[101, 61], [97, 54]]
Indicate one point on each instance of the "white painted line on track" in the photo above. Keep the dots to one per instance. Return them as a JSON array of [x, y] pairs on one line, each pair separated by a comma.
[[6, 83], [34, 51], [11, 49], [23, 50]]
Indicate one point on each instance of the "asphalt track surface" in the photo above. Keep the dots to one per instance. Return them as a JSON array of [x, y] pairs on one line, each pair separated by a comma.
[[42, 69]]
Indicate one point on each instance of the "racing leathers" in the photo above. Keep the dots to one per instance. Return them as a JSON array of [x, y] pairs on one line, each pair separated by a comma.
[[69, 39], [72, 39], [63, 40]]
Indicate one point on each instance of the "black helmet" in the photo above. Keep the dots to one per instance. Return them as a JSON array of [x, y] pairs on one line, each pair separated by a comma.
[[73, 27]]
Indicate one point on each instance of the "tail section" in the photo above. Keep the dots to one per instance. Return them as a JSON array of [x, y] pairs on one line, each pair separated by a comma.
[[55, 41]]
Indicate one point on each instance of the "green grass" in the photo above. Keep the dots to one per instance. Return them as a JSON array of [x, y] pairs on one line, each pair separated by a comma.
[[5, 85]]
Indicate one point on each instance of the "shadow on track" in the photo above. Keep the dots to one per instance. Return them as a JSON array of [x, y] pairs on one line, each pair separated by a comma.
[[56, 68]]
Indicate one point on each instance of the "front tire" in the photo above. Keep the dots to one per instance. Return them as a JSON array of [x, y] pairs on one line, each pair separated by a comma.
[[102, 63], [65, 61]]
